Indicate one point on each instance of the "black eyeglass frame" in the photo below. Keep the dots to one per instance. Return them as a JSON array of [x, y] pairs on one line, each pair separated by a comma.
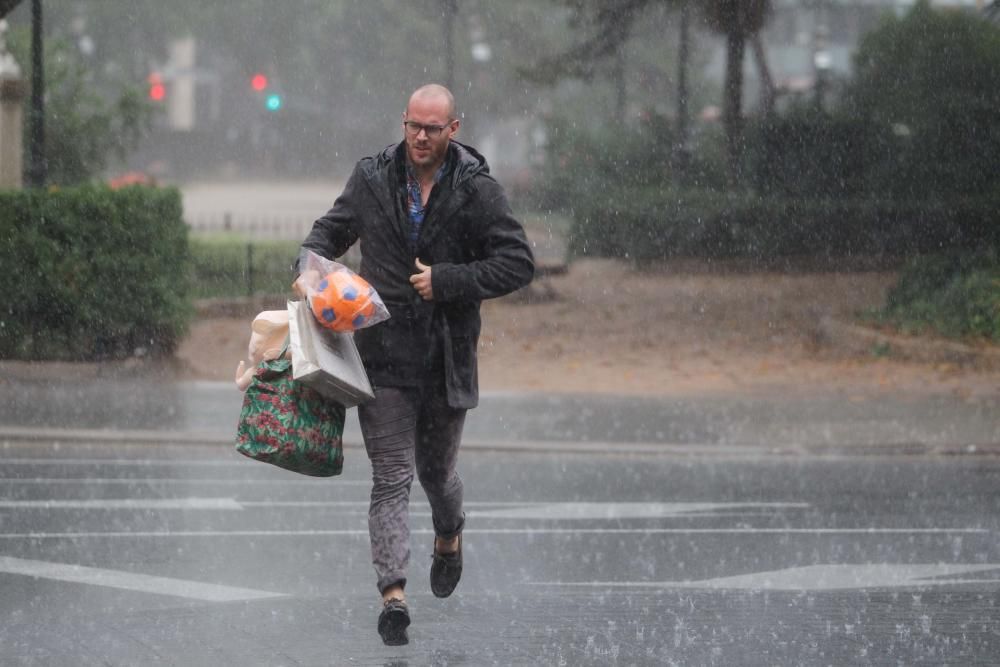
[[413, 128]]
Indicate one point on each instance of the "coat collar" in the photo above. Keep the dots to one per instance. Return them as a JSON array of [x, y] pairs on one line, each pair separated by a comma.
[[386, 175]]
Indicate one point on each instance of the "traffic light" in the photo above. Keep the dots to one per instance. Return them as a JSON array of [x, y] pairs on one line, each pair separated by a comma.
[[260, 83], [157, 91]]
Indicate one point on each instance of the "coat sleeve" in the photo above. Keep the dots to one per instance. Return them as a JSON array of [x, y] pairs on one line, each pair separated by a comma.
[[335, 232], [507, 262]]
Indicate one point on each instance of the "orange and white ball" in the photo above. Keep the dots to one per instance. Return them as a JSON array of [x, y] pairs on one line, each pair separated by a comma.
[[343, 301]]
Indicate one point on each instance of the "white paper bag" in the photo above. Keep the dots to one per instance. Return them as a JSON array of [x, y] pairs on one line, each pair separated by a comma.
[[326, 360]]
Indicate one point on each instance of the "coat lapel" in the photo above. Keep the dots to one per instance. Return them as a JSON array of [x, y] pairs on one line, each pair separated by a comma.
[[387, 194], [444, 209]]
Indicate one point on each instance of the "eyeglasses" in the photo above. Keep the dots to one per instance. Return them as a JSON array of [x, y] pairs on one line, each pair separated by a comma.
[[413, 128]]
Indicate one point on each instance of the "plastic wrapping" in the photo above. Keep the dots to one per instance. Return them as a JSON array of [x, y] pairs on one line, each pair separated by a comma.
[[267, 335], [339, 299], [326, 360]]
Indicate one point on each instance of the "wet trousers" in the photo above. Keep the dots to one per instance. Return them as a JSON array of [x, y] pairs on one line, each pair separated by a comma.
[[407, 429]]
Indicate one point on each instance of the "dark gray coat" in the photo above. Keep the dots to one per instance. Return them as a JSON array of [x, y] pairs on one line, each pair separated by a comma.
[[476, 249]]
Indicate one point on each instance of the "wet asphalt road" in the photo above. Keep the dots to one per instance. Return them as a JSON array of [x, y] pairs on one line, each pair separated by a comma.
[[812, 419], [191, 555]]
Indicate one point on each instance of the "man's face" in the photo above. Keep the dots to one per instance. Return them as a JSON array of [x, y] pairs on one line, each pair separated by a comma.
[[424, 151]]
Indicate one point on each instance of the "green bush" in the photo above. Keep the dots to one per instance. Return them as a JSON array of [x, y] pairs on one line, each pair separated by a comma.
[[954, 294], [655, 223], [92, 273], [231, 266]]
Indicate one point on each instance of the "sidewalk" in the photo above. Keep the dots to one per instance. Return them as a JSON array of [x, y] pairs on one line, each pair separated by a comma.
[[148, 409]]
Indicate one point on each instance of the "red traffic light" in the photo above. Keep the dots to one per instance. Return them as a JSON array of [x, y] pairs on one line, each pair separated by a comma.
[[258, 82], [157, 91]]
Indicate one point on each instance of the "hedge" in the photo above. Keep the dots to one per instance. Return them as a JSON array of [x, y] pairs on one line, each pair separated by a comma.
[[656, 223], [92, 273]]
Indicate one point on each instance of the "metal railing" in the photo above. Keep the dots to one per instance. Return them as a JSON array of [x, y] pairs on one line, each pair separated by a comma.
[[284, 228]]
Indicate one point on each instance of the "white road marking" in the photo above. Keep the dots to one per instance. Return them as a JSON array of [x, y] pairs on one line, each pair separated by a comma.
[[228, 504], [309, 503], [488, 510], [819, 578], [196, 533], [608, 510], [510, 531], [186, 480], [364, 503], [172, 463], [127, 503], [145, 583]]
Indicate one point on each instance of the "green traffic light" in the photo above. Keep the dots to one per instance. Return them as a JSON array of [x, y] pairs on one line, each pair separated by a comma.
[[273, 102]]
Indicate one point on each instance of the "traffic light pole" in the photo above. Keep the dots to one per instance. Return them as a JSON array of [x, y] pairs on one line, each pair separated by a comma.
[[37, 168], [449, 8]]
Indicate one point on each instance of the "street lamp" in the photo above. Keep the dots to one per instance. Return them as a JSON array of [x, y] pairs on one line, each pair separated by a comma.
[[821, 62]]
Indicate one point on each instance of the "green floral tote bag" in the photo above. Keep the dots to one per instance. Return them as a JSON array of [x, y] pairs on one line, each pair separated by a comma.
[[290, 425]]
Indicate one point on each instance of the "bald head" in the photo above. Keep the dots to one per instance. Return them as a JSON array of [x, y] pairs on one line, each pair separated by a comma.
[[429, 123], [433, 93]]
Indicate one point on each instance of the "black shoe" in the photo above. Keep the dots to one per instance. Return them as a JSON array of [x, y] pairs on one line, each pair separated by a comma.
[[393, 621], [446, 570]]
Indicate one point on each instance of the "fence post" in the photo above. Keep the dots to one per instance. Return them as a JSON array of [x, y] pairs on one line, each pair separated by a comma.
[[249, 269]]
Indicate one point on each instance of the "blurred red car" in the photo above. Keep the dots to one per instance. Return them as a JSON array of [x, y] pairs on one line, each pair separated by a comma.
[[131, 178]]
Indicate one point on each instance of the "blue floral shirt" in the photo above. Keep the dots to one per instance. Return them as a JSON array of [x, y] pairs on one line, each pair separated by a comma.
[[414, 203]]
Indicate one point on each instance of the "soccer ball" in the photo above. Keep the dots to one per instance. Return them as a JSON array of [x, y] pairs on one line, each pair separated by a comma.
[[343, 301]]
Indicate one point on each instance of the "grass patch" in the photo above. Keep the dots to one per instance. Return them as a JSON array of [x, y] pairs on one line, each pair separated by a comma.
[[226, 266]]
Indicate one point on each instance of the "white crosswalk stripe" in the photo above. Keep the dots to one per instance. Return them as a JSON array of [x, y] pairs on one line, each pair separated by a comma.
[[132, 581]]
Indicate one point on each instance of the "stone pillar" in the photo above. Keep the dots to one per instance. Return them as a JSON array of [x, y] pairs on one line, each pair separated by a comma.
[[12, 93]]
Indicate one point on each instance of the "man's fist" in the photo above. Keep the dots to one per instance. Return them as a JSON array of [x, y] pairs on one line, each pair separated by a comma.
[[422, 281]]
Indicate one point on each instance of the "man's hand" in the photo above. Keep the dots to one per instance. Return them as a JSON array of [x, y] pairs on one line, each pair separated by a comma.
[[307, 280], [422, 281]]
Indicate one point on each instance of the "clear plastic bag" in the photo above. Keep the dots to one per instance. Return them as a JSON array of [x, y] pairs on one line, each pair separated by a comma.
[[339, 298]]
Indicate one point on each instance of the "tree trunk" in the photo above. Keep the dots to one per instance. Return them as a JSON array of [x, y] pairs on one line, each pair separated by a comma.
[[732, 115], [621, 90]]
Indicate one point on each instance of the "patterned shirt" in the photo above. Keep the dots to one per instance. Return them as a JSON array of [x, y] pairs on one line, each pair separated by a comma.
[[414, 202]]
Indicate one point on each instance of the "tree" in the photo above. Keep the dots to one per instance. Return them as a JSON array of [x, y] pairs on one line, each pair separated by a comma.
[[606, 26], [931, 80], [737, 20], [85, 129]]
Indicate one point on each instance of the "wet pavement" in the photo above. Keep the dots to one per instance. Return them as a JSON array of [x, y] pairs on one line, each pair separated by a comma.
[[716, 530], [814, 421], [132, 554]]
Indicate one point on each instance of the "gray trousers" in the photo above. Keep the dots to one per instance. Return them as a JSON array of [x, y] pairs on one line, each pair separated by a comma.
[[406, 428]]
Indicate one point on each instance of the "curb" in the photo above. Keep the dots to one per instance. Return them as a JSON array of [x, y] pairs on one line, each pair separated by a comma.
[[869, 341], [15, 435]]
